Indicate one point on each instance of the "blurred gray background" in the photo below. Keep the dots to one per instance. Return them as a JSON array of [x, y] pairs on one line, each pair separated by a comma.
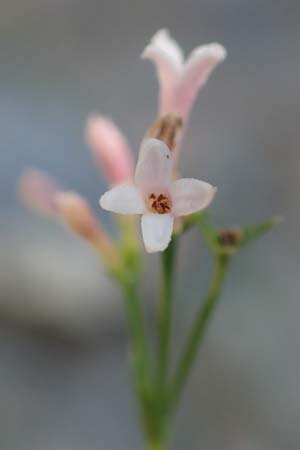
[[64, 377]]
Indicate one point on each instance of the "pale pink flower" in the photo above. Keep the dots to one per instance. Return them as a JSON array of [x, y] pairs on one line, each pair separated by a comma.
[[76, 213], [40, 192], [180, 81], [156, 196], [109, 149], [37, 191]]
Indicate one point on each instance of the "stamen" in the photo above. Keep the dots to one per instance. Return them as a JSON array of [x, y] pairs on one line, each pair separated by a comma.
[[161, 203]]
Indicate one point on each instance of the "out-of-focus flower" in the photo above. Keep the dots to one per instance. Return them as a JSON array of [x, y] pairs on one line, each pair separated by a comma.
[[109, 149], [41, 193], [37, 191], [150, 191], [181, 81], [154, 195], [77, 214]]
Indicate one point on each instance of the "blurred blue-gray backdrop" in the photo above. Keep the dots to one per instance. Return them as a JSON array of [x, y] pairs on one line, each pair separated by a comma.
[[64, 380]]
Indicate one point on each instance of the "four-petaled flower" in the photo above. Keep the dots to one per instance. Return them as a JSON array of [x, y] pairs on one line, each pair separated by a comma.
[[156, 196]]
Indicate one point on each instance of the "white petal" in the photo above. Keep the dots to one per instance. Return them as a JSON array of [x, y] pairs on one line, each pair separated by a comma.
[[190, 195], [123, 199], [163, 41], [197, 69], [154, 166], [157, 231], [168, 58]]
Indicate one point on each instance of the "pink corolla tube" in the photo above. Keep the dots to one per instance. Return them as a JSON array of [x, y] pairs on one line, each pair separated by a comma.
[[180, 80], [41, 193], [110, 150], [37, 191]]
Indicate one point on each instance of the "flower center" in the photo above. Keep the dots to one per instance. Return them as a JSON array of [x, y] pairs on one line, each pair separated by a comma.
[[159, 203]]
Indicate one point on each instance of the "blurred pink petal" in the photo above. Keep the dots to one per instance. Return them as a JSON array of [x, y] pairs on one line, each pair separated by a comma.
[[168, 58], [75, 211], [197, 69], [38, 191], [109, 149]]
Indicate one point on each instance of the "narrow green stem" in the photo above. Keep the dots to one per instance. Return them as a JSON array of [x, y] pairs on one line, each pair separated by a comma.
[[156, 445], [138, 337], [165, 313], [198, 330]]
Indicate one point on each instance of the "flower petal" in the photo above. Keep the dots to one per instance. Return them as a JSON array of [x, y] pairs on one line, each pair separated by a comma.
[[157, 231], [76, 213], [123, 199], [109, 149], [38, 191], [154, 166], [168, 58], [190, 195], [197, 69], [163, 41]]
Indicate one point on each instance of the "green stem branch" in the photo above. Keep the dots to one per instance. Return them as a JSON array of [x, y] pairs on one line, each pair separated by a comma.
[[155, 445], [138, 337], [165, 313], [198, 330]]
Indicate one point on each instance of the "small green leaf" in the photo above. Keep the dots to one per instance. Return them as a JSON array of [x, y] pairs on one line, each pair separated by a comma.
[[208, 230], [203, 222], [227, 241], [254, 232]]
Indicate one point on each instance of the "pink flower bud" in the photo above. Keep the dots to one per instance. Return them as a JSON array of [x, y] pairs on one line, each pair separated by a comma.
[[109, 149], [38, 191], [75, 211]]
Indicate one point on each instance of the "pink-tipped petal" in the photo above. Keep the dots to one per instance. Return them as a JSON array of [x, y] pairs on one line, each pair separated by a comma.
[[76, 213], [154, 166], [38, 191], [168, 59], [197, 70], [163, 42], [123, 199], [157, 231], [190, 196], [110, 150]]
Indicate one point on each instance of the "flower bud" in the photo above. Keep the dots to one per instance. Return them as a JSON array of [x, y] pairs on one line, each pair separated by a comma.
[[230, 237], [38, 191], [77, 214], [109, 149]]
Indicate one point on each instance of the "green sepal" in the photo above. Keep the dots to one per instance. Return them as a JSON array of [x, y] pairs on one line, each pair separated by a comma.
[[230, 240]]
